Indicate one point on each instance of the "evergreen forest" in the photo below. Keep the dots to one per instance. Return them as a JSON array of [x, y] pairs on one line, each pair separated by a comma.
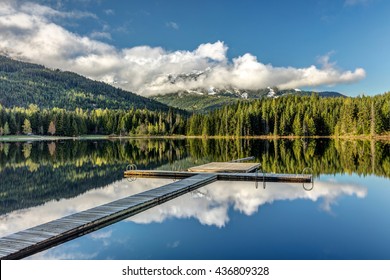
[[284, 116], [297, 116], [61, 122]]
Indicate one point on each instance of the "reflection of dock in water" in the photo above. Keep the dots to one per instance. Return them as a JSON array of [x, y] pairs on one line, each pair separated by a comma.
[[42, 237]]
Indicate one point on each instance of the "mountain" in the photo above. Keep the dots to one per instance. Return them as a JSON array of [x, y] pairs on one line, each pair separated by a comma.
[[208, 99], [23, 83], [205, 99]]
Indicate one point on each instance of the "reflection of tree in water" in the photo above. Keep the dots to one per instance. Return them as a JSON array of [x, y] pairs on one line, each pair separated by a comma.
[[34, 173], [324, 156], [60, 153]]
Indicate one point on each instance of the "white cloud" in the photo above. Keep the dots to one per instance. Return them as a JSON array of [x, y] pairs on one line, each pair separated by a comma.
[[356, 2], [45, 11], [28, 31], [109, 12], [216, 51], [172, 24], [101, 35]]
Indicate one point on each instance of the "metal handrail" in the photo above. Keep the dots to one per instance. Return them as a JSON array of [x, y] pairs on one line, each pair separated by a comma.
[[312, 180]]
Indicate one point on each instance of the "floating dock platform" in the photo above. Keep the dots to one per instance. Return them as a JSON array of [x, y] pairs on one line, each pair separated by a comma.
[[226, 167]]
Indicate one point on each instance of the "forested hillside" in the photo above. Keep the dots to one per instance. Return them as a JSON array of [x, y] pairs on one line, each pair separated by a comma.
[[194, 102], [203, 102], [298, 116], [22, 84]]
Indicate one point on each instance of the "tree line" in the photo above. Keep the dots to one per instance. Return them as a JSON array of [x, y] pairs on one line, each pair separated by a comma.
[[284, 116], [62, 122], [297, 116]]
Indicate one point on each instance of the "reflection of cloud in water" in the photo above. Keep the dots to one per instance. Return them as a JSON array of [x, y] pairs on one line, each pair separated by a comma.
[[74, 254], [26, 218], [174, 244], [210, 205], [101, 234]]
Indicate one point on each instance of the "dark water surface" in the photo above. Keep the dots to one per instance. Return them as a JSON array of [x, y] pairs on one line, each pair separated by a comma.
[[345, 216]]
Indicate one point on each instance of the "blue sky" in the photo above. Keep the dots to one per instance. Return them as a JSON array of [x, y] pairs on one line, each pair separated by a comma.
[[338, 45]]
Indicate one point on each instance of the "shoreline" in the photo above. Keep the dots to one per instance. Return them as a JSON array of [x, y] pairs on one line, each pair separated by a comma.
[[30, 138]]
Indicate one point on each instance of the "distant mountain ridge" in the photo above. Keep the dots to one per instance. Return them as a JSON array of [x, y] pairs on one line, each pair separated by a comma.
[[208, 99], [23, 83]]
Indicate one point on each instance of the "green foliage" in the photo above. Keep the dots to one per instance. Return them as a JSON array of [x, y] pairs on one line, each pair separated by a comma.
[[193, 102], [297, 116], [61, 122]]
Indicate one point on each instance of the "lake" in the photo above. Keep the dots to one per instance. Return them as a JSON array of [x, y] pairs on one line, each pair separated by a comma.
[[344, 216]]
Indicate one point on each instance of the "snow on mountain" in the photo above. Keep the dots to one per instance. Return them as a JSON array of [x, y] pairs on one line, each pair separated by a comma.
[[229, 91]]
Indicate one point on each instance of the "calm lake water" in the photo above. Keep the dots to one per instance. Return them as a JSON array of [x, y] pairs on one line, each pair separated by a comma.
[[345, 215]]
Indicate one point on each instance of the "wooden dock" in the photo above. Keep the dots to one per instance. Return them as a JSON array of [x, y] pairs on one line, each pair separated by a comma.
[[251, 177], [30, 241], [225, 171]]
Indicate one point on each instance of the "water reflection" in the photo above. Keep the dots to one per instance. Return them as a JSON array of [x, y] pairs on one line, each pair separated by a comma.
[[40, 181], [242, 222], [323, 156], [210, 205], [22, 219], [32, 174]]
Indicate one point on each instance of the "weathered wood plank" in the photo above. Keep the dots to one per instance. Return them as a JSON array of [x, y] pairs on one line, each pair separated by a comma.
[[42, 237]]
